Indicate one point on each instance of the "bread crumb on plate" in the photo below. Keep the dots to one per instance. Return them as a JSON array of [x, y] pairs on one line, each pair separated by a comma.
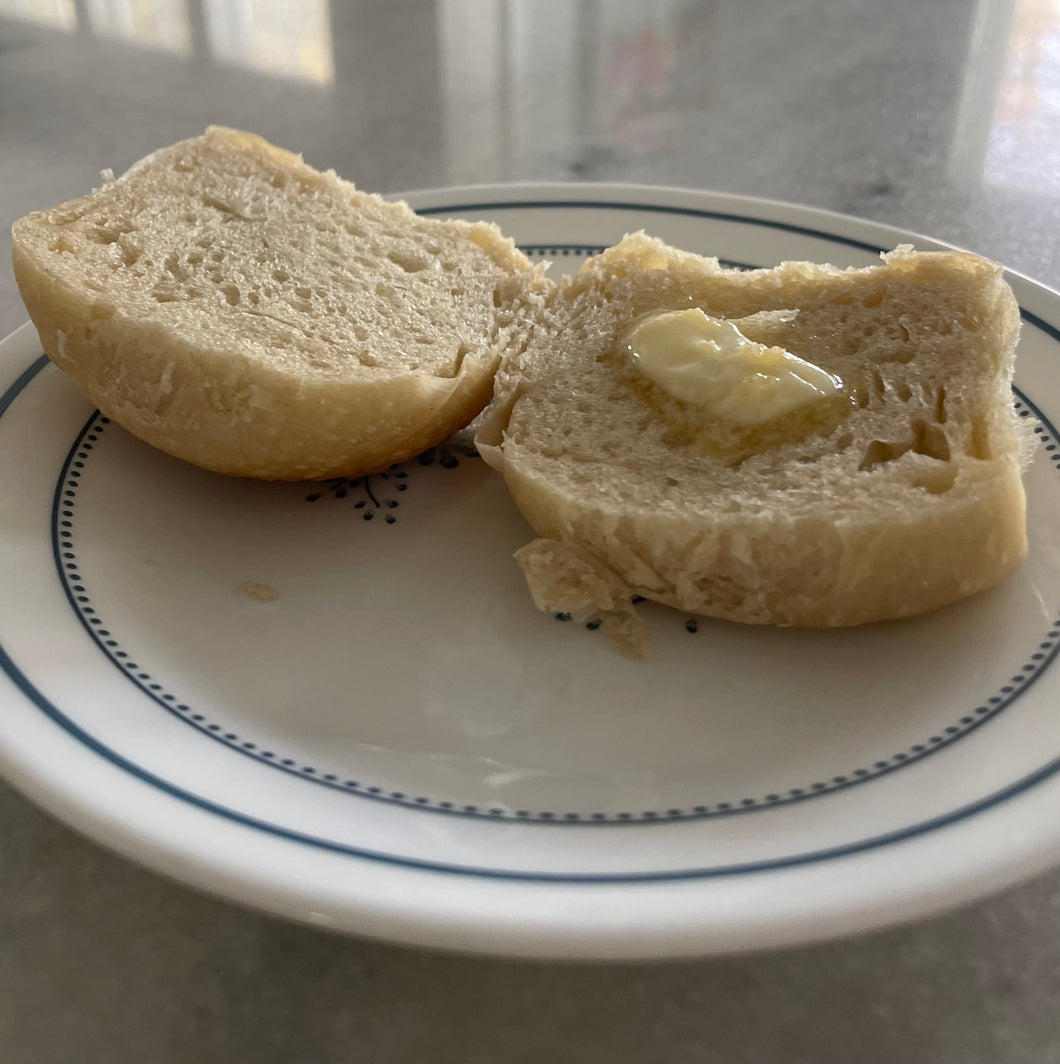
[[261, 592]]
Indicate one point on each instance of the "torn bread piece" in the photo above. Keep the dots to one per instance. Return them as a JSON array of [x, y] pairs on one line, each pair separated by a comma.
[[231, 305], [735, 481]]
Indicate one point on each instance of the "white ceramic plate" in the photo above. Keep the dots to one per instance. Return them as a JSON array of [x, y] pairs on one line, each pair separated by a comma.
[[400, 745]]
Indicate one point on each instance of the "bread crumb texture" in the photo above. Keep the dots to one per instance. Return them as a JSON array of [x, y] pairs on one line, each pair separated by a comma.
[[911, 500], [230, 304]]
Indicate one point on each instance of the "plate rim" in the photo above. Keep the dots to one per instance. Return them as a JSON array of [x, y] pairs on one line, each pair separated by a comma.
[[444, 199]]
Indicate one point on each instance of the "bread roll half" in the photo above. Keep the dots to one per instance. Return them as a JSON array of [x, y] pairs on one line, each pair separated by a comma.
[[231, 305], [910, 500]]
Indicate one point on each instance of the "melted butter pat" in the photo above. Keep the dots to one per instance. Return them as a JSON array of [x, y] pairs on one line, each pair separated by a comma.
[[708, 363]]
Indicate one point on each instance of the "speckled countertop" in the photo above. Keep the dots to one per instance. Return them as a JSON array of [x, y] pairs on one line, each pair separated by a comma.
[[940, 117]]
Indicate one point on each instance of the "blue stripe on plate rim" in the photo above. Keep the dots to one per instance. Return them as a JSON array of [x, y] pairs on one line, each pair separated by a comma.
[[1020, 786]]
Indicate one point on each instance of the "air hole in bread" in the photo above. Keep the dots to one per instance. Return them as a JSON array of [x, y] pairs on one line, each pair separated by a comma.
[[189, 217], [192, 292], [454, 369], [907, 352], [456, 292], [232, 295], [979, 444], [173, 266], [183, 166], [194, 259], [672, 482], [353, 230], [303, 293], [217, 204], [165, 296], [409, 261], [873, 299], [102, 309], [879, 386], [879, 452], [130, 253], [217, 255], [361, 333], [281, 276], [497, 298], [844, 441], [930, 439], [253, 298], [937, 481], [385, 291], [927, 439], [278, 181], [902, 391], [861, 396], [941, 414], [203, 243]]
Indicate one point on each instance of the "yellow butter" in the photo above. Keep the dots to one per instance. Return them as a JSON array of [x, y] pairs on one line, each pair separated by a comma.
[[709, 363]]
